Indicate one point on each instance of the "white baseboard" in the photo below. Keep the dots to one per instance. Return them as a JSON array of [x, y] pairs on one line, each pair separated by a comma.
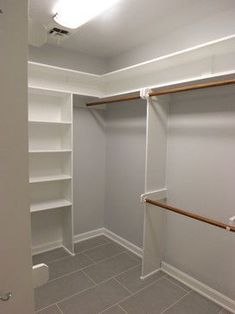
[[150, 274], [46, 247], [88, 235], [125, 243], [200, 287]]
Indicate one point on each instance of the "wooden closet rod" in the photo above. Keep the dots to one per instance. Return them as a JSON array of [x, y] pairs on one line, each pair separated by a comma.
[[160, 92], [191, 215]]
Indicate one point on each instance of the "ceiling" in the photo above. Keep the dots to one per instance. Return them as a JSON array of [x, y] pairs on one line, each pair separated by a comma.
[[130, 23]]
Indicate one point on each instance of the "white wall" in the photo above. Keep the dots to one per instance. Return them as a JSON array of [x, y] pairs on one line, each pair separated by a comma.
[[60, 57], [109, 161], [125, 167], [89, 169], [207, 29], [201, 178]]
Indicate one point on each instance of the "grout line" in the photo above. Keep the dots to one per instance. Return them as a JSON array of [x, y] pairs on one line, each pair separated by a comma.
[[66, 298], [172, 305], [111, 278], [127, 270], [95, 285], [65, 275], [133, 294], [59, 309], [125, 288], [47, 307], [115, 275], [94, 262], [93, 247], [107, 258], [175, 284], [122, 309], [72, 272], [92, 280]]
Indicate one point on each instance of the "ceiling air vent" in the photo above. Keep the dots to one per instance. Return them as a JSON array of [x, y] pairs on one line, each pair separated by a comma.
[[58, 32]]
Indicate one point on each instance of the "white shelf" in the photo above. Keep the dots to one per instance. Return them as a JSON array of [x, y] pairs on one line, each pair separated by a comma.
[[50, 128], [50, 122], [40, 151], [60, 177], [47, 205]]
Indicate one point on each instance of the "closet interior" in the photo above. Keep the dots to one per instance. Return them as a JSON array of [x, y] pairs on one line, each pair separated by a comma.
[[112, 161], [165, 148]]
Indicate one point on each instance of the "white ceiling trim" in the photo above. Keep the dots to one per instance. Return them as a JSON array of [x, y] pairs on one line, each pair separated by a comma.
[[209, 60]]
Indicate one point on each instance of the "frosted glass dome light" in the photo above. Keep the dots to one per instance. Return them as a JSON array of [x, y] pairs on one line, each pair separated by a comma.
[[74, 13]]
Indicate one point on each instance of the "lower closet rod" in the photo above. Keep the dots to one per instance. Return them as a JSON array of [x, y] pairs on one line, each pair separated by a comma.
[[163, 91], [191, 215]]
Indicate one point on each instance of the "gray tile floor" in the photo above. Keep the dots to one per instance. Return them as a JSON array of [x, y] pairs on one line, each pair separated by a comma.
[[103, 277]]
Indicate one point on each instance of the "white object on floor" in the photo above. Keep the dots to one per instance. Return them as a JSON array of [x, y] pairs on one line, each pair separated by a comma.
[[40, 275]]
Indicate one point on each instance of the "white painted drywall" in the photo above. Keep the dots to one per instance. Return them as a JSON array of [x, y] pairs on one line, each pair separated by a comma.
[[207, 29], [125, 167], [89, 169], [201, 178], [68, 59]]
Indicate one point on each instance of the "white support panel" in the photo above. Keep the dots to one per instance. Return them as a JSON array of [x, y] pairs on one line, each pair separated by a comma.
[[67, 230], [156, 143], [40, 275], [155, 177]]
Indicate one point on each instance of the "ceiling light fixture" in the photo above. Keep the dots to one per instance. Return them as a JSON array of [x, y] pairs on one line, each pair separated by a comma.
[[74, 13]]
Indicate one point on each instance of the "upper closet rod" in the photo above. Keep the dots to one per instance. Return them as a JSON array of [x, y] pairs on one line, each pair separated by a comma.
[[161, 92], [193, 216]]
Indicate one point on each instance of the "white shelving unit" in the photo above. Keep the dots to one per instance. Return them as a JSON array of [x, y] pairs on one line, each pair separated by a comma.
[[50, 167]]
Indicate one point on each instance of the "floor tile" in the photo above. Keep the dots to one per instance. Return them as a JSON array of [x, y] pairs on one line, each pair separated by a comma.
[[139, 259], [178, 283], [68, 265], [153, 299], [193, 303], [50, 256], [110, 267], [131, 279], [95, 300], [89, 244], [105, 251], [114, 310], [50, 310], [61, 288]]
